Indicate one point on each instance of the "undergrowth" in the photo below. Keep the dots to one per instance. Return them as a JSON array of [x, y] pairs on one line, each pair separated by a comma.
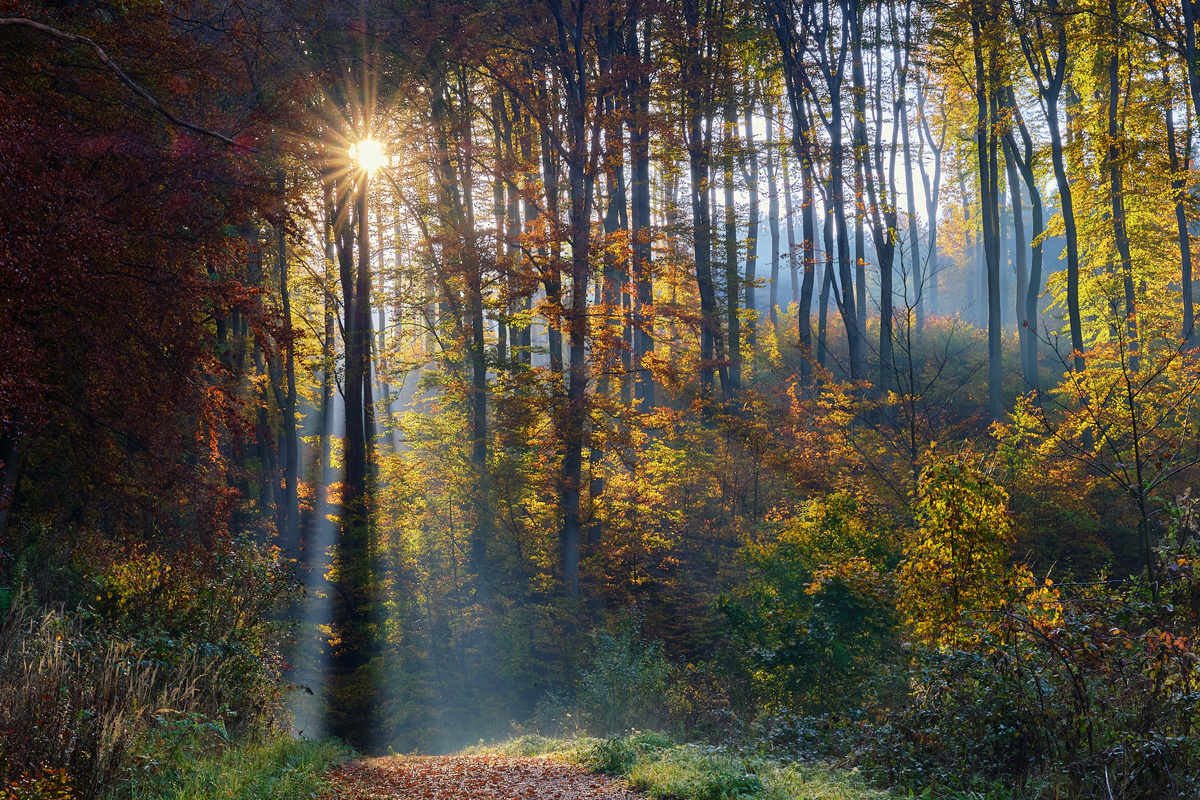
[[276, 768], [658, 767]]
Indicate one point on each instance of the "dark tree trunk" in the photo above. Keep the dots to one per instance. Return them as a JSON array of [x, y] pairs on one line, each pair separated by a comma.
[[1026, 328], [750, 175], [733, 278], [1178, 187], [291, 500], [772, 213], [640, 227], [1116, 184], [985, 143]]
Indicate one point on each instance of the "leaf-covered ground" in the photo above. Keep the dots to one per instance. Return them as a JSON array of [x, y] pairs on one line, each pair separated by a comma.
[[472, 778]]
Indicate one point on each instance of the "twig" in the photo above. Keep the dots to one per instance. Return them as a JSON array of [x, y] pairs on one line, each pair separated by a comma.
[[108, 62]]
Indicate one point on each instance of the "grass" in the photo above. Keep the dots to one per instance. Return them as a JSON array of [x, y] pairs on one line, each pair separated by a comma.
[[661, 769], [277, 768]]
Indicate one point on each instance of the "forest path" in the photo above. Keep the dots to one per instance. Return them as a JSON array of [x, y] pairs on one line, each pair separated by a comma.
[[472, 778]]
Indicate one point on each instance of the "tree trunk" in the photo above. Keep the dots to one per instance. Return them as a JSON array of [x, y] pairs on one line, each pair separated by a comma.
[[1178, 186], [1116, 185], [699, 152], [640, 227], [733, 279], [985, 141], [291, 500], [772, 212], [752, 224]]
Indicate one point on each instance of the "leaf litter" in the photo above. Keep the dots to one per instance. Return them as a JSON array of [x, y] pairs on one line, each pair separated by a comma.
[[472, 778]]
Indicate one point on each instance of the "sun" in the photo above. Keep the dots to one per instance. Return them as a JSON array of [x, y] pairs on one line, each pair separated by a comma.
[[368, 155]]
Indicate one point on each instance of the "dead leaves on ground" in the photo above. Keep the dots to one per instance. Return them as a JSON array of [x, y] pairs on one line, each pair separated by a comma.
[[471, 778]]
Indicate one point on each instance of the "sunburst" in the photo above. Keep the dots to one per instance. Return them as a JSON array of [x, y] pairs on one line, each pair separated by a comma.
[[368, 155]]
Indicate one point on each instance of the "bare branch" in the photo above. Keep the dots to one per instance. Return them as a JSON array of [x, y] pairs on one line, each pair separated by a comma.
[[108, 62]]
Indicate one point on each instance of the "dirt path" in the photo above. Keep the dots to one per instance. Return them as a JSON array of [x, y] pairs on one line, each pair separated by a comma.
[[472, 778]]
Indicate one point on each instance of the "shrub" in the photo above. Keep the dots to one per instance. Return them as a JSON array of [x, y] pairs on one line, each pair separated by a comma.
[[1085, 690], [688, 773], [625, 684], [815, 623], [273, 768], [76, 706], [955, 562], [617, 755]]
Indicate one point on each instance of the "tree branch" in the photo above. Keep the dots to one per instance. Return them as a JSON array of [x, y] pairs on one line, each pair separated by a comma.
[[108, 62]]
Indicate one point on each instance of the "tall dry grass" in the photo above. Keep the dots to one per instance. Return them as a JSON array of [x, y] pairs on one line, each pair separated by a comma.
[[71, 704]]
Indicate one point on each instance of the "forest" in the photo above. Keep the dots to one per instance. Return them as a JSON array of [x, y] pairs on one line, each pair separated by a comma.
[[811, 379]]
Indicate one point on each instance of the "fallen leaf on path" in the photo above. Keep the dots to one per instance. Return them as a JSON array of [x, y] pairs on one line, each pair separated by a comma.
[[471, 778]]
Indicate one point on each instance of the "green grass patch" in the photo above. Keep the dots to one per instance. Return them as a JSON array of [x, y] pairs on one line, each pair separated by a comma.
[[656, 766], [278, 768]]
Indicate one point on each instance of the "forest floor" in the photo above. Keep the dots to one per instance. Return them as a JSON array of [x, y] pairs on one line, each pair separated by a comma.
[[473, 777]]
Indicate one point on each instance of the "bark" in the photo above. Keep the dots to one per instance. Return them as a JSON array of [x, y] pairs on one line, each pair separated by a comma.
[[640, 226], [1049, 71], [986, 150], [917, 281], [503, 138], [1178, 187], [518, 334], [525, 141], [581, 146], [699, 154], [1026, 328], [826, 287], [291, 500], [552, 274], [1116, 184], [804, 307], [733, 278], [788, 214], [932, 195], [750, 175], [772, 212]]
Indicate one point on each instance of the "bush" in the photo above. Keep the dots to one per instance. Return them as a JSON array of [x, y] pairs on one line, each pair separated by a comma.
[[617, 755], [71, 703], [690, 773], [275, 768], [815, 625], [626, 682], [1087, 691]]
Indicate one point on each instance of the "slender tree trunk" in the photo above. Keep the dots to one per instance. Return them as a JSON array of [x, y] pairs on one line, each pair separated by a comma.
[[503, 138], [1116, 184], [1026, 328], [641, 231], [788, 215], [581, 144], [1067, 204], [932, 197], [772, 212], [1178, 186], [804, 307], [985, 142], [917, 281], [291, 467], [733, 278], [826, 286], [552, 279], [752, 225], [699, 152]]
